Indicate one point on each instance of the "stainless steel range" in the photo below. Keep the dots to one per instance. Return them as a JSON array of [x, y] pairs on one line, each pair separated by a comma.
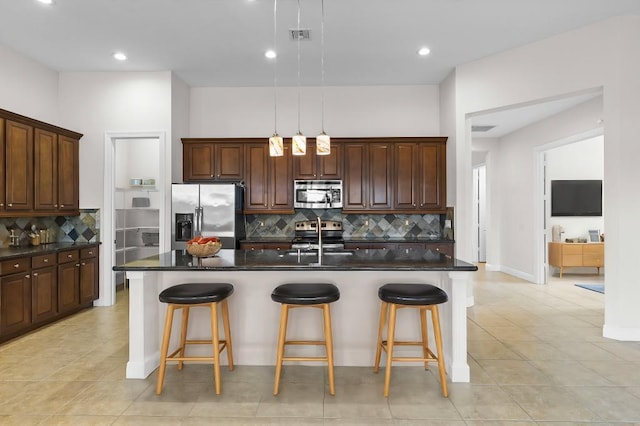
[[306, 235]]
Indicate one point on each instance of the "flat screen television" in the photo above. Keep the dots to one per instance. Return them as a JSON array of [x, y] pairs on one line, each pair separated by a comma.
[[576, 198]]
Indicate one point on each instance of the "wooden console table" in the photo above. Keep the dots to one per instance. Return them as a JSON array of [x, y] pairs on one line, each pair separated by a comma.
[[562, 255]]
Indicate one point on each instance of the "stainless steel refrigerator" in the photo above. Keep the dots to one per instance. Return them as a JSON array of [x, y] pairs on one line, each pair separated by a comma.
[[210, 210]]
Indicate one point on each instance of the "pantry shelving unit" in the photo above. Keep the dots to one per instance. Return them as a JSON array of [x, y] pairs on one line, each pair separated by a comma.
[[137, 228]]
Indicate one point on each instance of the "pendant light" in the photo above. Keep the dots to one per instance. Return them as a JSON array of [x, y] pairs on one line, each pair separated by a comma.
[[323, 141], [299, 141], [276, 145]]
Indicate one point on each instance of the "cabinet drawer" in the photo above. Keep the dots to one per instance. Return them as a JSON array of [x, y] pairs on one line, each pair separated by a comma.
[[593, 260], [68, 256], [15, 265], [43, 260], [89, 252], [572, 260], [440, 248], [594, 249], [572, 249]]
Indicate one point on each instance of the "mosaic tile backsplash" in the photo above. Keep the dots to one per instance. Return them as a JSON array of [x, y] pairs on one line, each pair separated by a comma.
[[84, 228], [391, 226]]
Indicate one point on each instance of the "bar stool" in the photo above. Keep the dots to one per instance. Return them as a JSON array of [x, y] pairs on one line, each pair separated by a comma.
[[186, 296], [308, 295], [423, 297]]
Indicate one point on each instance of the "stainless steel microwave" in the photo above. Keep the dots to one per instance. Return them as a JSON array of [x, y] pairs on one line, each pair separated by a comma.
[[317, 194]]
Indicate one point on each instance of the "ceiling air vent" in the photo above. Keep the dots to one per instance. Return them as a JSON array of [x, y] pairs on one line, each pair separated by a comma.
[[300, 34], [481, 128]]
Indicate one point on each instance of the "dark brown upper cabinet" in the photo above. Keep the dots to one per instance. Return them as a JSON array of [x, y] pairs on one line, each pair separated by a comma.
[[420, 178], [206, 160], [312, 166], [368, 176], [269, 182], [40, 168]]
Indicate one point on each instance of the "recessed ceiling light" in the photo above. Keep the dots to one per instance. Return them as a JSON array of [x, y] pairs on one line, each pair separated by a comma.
[[120, 56], [270, 54], [46, 1], [424, 51]]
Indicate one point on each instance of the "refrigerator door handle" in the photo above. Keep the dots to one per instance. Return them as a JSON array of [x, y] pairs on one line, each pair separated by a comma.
[[199, 214]]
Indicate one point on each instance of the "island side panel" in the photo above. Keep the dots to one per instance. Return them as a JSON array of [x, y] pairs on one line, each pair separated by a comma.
[[144, 342], [254, 316]]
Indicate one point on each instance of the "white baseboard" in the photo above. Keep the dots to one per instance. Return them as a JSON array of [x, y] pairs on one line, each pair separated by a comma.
[[621, 333], [516, 273]]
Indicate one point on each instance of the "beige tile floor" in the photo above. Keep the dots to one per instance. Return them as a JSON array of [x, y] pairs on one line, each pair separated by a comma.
[[536, 354]]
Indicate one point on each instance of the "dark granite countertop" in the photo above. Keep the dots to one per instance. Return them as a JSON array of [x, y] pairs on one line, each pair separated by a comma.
[[272, 260], [13, 252]]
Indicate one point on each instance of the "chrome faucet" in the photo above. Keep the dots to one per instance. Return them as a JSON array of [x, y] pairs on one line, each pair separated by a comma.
[[319, 230]]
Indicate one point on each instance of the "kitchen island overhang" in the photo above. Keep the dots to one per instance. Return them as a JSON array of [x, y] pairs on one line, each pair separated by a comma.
[[254, 316]]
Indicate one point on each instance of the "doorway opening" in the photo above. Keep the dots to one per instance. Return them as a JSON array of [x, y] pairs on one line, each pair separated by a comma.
[[579, 157], [135, 202], [479, 212]]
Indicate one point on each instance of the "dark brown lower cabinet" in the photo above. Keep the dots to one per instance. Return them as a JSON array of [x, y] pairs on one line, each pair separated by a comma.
[[42, 288], [265, 246], [88, 275], [440, 247], [15, 303], [44, 293], [68, 280]]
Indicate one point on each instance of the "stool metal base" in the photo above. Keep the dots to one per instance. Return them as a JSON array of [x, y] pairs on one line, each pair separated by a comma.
[[388, 345], [217, 344]]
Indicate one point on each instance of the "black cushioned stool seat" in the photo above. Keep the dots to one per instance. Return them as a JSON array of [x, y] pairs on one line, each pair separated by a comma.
[[425, 297], [186, 296], [310, 295]]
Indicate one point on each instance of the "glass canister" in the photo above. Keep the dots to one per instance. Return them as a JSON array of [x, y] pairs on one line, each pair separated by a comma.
[[44, 236]]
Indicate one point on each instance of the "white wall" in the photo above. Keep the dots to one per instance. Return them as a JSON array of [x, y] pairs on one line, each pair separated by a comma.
[[511, 184], [28, 88], [98, 103], [604, 55], [579, 160], [95, 103], [180, 111], [349, 111]]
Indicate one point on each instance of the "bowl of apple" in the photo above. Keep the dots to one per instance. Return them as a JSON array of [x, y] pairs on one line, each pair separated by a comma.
[[204, 246]]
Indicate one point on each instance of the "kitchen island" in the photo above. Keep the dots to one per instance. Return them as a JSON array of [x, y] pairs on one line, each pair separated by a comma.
[[254, 316]]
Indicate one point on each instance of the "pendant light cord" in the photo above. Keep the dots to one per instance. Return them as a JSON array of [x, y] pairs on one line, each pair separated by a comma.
[[322, 60], [298, 66], [275, 69]]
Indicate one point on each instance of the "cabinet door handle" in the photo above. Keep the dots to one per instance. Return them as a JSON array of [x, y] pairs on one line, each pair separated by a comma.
[[69, 256], [10, 204], [17, 265], [61, 206], [35, 274], [45, 261], [77, 265], [90, 252], [83, 263], [55, 205], [1, 204], [27, 276]]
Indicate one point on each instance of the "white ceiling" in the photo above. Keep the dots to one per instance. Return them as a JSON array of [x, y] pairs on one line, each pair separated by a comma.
[[509, 120], [222, 42]]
